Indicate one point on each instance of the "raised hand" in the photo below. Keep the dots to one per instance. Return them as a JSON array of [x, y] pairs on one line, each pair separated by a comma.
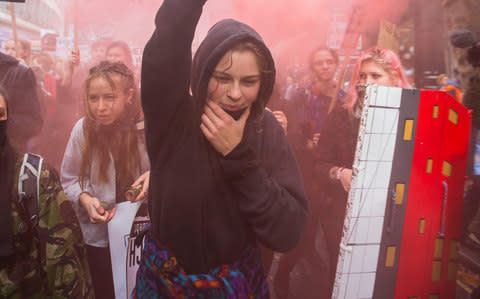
[[70, 66]]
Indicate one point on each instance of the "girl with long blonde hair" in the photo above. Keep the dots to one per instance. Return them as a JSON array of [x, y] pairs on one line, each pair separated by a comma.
[[105, 156]]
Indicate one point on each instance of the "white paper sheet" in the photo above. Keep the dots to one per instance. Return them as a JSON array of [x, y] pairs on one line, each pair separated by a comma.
[[118, 235]]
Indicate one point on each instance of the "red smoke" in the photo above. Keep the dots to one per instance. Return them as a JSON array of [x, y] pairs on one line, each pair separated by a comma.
[[291, 28]]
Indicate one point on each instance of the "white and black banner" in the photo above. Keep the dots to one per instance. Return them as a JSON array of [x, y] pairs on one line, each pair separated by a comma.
[[122, 231]]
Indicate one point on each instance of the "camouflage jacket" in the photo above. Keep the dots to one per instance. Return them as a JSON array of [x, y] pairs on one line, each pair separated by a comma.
[[60, 268]]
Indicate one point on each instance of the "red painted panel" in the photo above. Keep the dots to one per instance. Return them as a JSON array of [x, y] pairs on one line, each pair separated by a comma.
[[455, 151], [436, 139], [414, 260]]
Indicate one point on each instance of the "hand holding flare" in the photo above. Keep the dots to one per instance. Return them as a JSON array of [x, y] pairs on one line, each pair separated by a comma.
[[96, 212], [142, 182]]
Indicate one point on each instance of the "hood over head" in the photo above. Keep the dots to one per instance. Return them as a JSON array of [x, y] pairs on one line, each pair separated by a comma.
[[222, 37]]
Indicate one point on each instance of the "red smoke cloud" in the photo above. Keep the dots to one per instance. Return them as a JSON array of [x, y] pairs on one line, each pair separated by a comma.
[[290, 27]]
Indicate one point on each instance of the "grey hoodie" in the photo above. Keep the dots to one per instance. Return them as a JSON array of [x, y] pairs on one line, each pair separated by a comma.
[[94, 234]]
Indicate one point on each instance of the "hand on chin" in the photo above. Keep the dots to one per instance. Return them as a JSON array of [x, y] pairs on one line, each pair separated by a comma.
[[221, 128]]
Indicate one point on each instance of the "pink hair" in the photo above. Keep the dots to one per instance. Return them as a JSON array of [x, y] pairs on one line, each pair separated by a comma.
[[384, 57]]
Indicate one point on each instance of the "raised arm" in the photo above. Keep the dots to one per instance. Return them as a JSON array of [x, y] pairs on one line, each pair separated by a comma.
[[166, 67]]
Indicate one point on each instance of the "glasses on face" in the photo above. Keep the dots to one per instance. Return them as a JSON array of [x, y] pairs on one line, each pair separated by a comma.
[[328, 62]]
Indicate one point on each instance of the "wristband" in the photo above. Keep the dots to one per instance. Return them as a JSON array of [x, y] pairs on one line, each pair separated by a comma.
[[332, 173]]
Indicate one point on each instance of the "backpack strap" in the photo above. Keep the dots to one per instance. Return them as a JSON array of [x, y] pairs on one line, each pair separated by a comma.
[[29, 188]]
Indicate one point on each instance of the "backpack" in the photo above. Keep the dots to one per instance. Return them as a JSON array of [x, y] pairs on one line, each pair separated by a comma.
[[29, 189]]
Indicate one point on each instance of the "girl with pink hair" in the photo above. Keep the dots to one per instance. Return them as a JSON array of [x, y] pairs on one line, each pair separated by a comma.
[[336, 145]]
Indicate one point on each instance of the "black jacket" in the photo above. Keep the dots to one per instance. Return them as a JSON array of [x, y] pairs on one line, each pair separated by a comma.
[[204, 207], [24, 115], [471, 99]]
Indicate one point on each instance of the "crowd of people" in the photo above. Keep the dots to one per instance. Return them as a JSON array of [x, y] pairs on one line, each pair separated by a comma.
[[234, 166]]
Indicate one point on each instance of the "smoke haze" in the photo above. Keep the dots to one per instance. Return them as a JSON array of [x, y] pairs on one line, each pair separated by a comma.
[[290, 27]]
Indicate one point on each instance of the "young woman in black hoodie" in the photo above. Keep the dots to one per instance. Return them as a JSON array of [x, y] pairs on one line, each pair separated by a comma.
[[223, 177]]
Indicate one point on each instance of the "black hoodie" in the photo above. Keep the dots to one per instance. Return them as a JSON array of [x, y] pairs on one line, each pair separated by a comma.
[[204, 207]]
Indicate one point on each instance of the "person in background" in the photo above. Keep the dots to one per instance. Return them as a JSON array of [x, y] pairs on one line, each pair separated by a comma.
[[120, 51], [55, 99], [104, 157], [24, 51], [97, 54], [307, 112], [224, 178], [453, 88], [26, 118], [10, 48], [336, 145], [299, 78], [79, 69], [471, 214], [42, 257], [43, 65], [442, 81], [449, 85], [98, 51]]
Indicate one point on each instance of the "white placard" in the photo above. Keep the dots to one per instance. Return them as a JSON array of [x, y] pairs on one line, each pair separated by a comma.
[[119, 237]]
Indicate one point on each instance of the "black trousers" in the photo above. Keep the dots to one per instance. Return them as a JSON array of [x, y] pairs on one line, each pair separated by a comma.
[[100, 265]]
